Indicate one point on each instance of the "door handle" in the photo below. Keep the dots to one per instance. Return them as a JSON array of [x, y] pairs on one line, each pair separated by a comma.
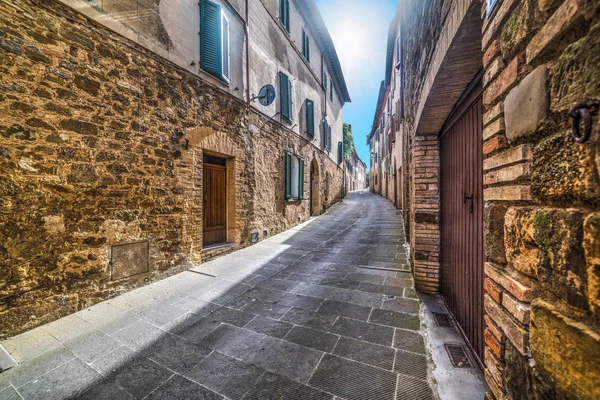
[[470, 198]]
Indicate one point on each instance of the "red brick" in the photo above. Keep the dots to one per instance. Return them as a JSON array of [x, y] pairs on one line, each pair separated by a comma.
[[499, 85], [493, 290], [494, 329], [495, 144], [491, 53], [493, 344], [518, 289]]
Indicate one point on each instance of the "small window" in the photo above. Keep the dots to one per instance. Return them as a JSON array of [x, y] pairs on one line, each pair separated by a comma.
[[305, 45], [325, 81], [214, 40], [331, 90], [340, 152], [310, 117], [329, 138], [285, 96], [490, 6], [284, 14], [294, 177]]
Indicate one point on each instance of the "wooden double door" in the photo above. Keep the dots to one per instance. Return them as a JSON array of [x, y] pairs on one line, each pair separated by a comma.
[[461, 173], [214, 225]]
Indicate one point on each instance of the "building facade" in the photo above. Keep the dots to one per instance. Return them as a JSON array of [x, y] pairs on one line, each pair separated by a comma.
[[356, 173], [135, 139], [497, 133]]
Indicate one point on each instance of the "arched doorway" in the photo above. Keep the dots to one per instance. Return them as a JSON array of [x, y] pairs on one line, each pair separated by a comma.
[[315, 202]]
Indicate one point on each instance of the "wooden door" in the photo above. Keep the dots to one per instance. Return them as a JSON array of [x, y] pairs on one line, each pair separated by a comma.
[[215, 201], [461, 159]]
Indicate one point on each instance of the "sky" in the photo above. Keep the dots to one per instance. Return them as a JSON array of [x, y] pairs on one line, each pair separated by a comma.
[[359, 31]]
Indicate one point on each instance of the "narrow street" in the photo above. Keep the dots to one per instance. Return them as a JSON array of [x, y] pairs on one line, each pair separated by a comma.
[[298, 316]]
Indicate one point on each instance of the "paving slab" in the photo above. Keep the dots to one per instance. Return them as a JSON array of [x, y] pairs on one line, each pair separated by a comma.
[[268, 326], [364, 331], [311, 338], [366, 353], [178, 387], [232, 341]]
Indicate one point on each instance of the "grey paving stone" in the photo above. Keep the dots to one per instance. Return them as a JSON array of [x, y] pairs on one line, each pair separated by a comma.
[[6, 362], [223, 292], [268, 326], [183, 323], [114, 360], [140, 377], [364, 331], [231, 316], [264, 294], [107, 318], [299, 301], [401, 304], [412, 388], [309, 319], [231, 340], [200, 329], [29, 345], [409, 340], [410, 293], [347, 310], [404, 279], [4, 383], [274, 386], [29, 370], [239, 302], [411, 364], [367, 353], [140, 335], [62, 382], [395, 319], [9, 393], [177, 354], [92, 345], [278, 284], [196, 306], [311, 338], [361, 277], [349, 296], [339, 283], [381, 289], [271, 310], [353, 381], [299, 277], [180, 388], [67, 328], [106, 391], [289, 359], [225, 375]]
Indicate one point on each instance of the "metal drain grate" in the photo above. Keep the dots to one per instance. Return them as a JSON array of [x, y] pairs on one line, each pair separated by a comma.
[[442, 320], [458, 356]]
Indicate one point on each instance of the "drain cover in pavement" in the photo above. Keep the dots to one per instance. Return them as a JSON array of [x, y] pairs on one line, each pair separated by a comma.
[[442, 320], [389, 298], [458, 356]]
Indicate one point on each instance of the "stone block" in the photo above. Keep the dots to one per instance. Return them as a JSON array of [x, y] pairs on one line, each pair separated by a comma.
[[523, 380], [518, 310], [563, 171], [507, 174], [562, 20], [567, 351], [526, 105], [575, 74], [513, 330], [546, 244], [493, 112], [493, 228], [591, 246], [509, 156], [515, 31], [493, 290]]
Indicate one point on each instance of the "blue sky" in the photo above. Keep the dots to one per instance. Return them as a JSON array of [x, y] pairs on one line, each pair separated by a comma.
[[359, 31]]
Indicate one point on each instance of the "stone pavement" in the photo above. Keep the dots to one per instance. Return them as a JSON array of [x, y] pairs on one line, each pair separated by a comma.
[[296, 316]]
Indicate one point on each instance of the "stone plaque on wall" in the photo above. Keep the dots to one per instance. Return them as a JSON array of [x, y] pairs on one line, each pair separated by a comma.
[[128, 259]]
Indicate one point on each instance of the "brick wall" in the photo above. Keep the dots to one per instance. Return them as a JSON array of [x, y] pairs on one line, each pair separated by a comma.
[[101, 142], [542, 200]]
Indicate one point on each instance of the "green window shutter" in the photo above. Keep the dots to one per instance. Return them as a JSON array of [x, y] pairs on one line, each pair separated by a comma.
[[329, 137], [310, 118], [331, 89], [301, 178], [211, 59], [285, 96], [305, 45], [288, 176], [284, 14], [340, 152], [325, 133], [324, 81]]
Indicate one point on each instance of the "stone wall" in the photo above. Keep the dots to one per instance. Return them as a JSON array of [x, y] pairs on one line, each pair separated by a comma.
[[101, 142], [542, 200]]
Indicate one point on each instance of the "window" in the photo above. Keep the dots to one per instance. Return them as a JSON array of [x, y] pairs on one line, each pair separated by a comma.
[[325, 81], [490, 6], [285, 96], [331, 89], [294, 177], [340, 152], [284, 14], [214, 40], [326, 135], [305, 45], [329, 138], [310, 117]]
